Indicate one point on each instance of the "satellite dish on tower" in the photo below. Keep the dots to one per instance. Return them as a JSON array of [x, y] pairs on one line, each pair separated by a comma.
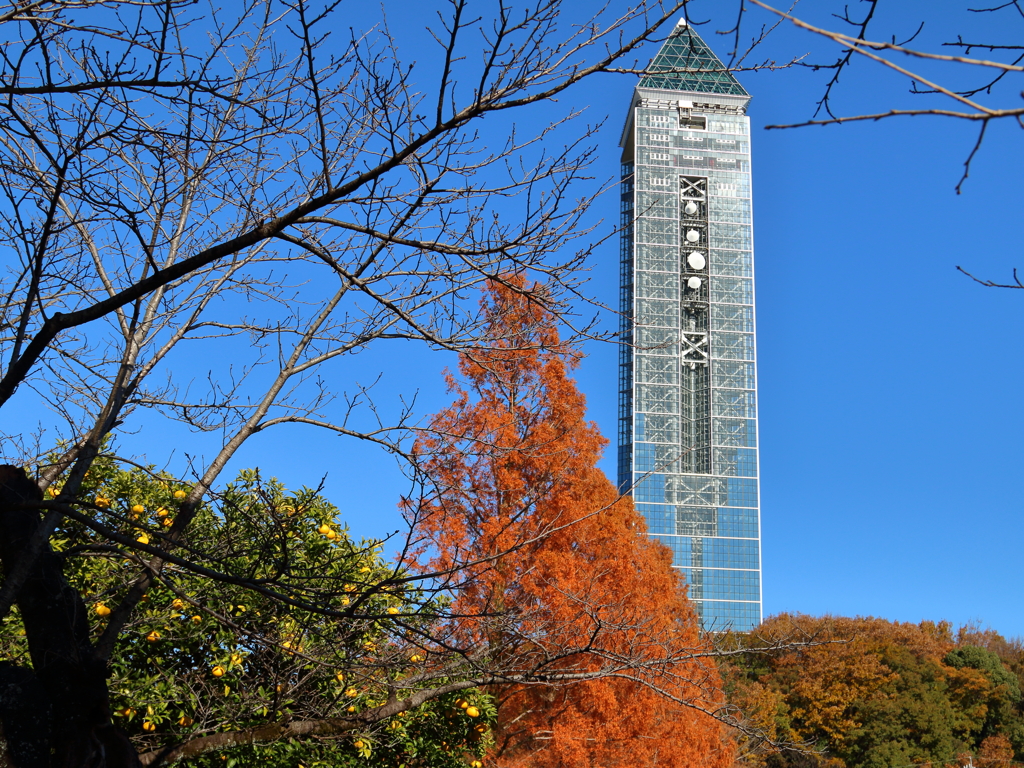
[[696, 260], [690, 208], [693, 283], [692, 235]]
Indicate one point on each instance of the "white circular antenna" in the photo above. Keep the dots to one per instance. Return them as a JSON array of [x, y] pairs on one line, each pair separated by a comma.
[[692, 236], [694, 283], [696, 260], [690, 208]]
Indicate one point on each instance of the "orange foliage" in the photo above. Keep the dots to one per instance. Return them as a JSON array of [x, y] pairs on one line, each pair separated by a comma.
[[554, 576], [995, 752]]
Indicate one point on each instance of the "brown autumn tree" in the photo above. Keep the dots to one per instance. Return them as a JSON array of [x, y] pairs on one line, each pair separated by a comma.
[[995, 752], [872, 693], [565, 582]]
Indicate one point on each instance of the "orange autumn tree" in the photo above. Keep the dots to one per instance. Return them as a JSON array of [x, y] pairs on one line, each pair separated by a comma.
[[584, 630]]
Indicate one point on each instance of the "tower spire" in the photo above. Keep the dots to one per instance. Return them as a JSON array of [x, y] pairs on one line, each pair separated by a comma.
[[686, 63]]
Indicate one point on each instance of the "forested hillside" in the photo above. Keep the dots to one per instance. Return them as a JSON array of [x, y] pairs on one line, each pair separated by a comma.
[[872, 693]]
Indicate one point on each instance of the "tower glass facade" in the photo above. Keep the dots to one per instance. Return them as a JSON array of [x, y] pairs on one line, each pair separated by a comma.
[[687, 391]]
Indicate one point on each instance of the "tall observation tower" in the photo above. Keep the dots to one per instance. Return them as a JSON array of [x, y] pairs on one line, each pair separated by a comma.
[[687, 389]]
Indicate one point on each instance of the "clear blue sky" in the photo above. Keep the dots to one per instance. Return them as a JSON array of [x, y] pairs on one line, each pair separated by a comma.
[[890, 384], [891, 418], [890, 405]]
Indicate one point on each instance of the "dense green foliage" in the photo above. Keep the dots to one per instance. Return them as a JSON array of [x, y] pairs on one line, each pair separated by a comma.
[[200, 657], [870, 693]]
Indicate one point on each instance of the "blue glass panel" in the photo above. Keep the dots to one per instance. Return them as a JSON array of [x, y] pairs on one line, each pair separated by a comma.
[[713, 584], [720, 616], [731, 553], [735, 432], [649, 488], [741, 523], [741, 492]]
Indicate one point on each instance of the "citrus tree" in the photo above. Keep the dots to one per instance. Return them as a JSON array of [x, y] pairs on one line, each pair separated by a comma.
[[238, 670]]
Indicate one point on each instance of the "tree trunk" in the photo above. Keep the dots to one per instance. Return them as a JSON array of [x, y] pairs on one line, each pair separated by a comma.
[[67, 679]]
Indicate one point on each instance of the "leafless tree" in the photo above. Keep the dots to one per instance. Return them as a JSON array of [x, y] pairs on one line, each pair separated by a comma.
[[251, 180], [957, 61], [964, 78]]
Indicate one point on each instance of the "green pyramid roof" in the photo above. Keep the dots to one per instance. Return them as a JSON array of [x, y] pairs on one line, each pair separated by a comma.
[[689, 65]]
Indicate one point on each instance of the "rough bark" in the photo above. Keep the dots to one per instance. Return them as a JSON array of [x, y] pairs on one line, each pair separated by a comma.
[[24, 719], [66, 678]]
